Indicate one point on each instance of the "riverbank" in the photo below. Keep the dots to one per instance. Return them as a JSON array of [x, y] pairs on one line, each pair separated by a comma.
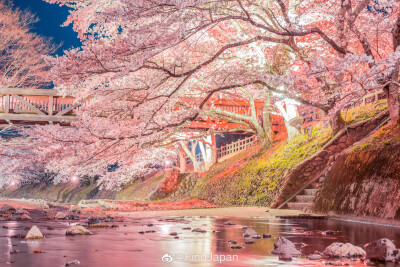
[[193, 207], [196, 208], [24, 203]]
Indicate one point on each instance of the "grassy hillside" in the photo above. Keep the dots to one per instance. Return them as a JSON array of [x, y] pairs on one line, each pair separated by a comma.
[[140, 190], [254, 178], [364, 112], [73, 193]]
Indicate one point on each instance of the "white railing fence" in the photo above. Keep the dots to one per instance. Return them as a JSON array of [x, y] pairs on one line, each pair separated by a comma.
[[236, 146]]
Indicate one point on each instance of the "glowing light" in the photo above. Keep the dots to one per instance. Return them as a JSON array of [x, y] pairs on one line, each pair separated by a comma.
[[74, 178], [12, 183], [168, 162]]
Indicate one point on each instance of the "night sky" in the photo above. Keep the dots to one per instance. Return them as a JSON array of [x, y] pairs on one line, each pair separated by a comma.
[[51, 17]]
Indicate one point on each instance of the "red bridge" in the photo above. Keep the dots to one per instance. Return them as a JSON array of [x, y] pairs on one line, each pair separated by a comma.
[[42, 106], [236, 106]]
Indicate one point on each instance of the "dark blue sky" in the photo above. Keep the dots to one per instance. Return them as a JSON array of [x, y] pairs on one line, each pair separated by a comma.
[[51, 18]]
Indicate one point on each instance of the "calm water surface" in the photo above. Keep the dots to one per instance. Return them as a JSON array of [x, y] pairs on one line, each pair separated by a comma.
[[125, 246]]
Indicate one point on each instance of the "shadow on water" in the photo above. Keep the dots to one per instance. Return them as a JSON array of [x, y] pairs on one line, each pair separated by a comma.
[[125, 246]]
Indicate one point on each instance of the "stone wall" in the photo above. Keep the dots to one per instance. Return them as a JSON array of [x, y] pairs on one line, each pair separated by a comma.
[[320, 163], [368, 189], [168, 185]]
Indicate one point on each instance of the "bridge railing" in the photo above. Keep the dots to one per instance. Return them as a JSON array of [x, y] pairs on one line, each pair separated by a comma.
[[314, 114], [235, 106], [41, 105], [236, 146], [49, 104], [370, 98]]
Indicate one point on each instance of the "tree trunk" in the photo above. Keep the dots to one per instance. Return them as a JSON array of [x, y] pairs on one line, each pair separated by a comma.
[[267, 117], [289, 113], [182, 160], [191, 154], [337, 122], [264, 140], [291, 131], [392, 93], [214, 150], [194, 158]]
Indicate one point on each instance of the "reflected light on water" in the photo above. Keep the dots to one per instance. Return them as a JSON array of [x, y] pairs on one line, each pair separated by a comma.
[[125, 246]]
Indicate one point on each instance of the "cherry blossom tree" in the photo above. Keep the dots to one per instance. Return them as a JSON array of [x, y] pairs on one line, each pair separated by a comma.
[[16, 155], [21, 65], [21, 51], [139, 58]]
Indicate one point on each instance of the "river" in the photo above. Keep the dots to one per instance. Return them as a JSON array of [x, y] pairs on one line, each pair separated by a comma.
[[126, 246]]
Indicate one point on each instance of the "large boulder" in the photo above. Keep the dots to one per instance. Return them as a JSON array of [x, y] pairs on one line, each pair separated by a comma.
[[381, 250], [286, 247], [78, 230], [344, 250], [34, 233]]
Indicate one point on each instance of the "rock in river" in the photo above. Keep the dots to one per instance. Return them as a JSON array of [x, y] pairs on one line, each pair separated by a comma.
[[251, 233], [72, 263], [60, 216], [93, 220], [267, 236], [34, 233], [72, 217], [285, 246], [78, 230], [198, 230], [343, 250], [285, 257], [381, 250], [25, 217], [314, 257], [75, 208], [7, 208]]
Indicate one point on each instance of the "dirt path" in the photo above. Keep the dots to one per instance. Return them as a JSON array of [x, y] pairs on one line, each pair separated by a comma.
[[242, 212], [22, 203]]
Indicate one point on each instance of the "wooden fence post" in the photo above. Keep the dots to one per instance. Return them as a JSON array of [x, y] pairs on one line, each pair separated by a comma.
[[50, 110], [7, 106]]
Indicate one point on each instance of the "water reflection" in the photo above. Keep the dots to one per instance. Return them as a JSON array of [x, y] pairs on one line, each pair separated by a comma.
[[125, 246]]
